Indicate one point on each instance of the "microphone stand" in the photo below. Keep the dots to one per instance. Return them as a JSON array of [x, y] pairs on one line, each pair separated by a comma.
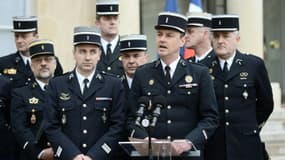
[[150, 154], [146, 124]]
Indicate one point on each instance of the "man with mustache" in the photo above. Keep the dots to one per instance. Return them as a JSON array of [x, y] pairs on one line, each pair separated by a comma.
[[29, 104]]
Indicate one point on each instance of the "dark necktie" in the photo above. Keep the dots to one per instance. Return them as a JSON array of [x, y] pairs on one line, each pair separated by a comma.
[[225, 69], [167, 75], [28, 68], [85, 88], [45, 87], [108, 53]]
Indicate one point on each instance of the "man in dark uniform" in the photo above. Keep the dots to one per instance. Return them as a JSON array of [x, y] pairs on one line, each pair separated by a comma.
[[190, 115], [7, 139], [133, 53], [107, 20], [198, 37], [86, 110], [16, 66], [243, 93], [29, 103]]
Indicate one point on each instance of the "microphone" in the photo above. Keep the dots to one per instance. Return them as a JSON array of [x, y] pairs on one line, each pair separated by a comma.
[[158, 103], [143, 102]]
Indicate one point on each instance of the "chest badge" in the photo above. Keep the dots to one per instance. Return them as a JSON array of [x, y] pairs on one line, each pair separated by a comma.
[[188, 79], [64, 96], [243, 75], [10, 71], [33, 100]]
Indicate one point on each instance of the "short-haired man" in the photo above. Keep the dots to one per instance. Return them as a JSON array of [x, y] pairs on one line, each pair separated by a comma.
[[86, 110], [198, 37], [190, 115], [243, 92], [133, 52], [107, 20]]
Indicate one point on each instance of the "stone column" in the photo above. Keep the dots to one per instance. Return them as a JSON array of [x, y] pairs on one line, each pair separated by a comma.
[[251, 24]]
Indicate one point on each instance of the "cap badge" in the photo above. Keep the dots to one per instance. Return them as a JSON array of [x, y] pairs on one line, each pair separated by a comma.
[[220, 22], [111, 8], [166, 20], [43, 47], [19, 24], [129, 44], [87, 38], [188, 79]]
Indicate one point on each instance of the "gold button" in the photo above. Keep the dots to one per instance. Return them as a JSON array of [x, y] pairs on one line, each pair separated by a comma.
[[168, 91], [109, 68], [84, 145], [227, 123], [84, 131], [226, 98], [169, 121], [84, 118], [84, 105], [226, 86]]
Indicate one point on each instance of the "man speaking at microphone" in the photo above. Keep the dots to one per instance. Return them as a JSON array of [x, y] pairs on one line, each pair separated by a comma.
[[190, 115]]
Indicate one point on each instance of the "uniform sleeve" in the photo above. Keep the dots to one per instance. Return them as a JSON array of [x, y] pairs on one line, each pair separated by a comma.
[[208, 111], [264, 103], [20, 125], [62, 145], [108, 143]]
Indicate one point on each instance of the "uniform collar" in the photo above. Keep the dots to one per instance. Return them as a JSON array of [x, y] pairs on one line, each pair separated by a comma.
[[41, 84], [229, 61], [172, 66], [113, 44], [81, 78], [129, 80], [197, 58], [25, 59]]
